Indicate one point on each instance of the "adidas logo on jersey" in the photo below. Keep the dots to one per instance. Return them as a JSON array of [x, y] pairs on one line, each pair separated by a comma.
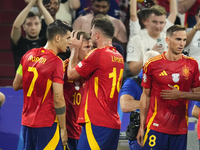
[[163, 73]]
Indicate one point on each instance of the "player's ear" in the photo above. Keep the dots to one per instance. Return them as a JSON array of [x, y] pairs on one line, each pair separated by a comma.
[[167, 39], [57, 38], [97, 35]]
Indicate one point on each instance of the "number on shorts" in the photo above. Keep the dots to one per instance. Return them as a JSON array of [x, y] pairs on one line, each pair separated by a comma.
[[152, 140]]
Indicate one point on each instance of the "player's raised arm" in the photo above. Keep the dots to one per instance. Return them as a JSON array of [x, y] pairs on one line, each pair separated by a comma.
[[16, 28]]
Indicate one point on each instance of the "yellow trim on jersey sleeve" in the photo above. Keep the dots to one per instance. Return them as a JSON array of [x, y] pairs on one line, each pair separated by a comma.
[[49, 83], [187, 57], [19, 70], [150, 122], [150, 61], [90, 136], [96, 86], [54, 141]]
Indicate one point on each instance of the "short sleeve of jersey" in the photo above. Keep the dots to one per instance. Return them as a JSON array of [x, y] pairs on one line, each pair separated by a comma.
[[129, 87], [134, 49], [58, 72], [89, 64], [196, 82], [147, 78], [197, 104]]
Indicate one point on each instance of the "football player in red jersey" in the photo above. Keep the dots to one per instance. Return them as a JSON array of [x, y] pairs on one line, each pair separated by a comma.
[[73, 93], [102, 69], [165, 121], [40, 74]]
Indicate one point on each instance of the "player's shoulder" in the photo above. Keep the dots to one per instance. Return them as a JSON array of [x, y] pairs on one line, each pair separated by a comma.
[[31, 52], [189, 58], [93, 52], [153, 60]]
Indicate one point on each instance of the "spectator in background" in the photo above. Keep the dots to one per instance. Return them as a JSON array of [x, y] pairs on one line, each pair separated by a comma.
[[2, 99], [166, 5], [67, 10], [130, 95], [153, 38], [32, 25], [62, 10], [189, 7], [135, 22], [193, 40], [102, 7], [86, 7], [52, 8], [59, 9]]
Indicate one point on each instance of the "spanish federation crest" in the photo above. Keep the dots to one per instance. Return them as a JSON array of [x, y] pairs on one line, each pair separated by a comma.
[[186, 72], [175, 77]]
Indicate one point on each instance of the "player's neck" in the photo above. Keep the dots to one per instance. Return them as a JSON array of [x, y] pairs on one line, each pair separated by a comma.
[[104, 43], [172, 57], [51, 46]]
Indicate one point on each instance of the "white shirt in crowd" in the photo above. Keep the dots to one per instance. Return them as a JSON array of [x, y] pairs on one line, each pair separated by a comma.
[[193, 49], [141, 43]]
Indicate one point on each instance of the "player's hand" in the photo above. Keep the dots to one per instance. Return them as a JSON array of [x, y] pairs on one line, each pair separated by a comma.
[[171, 94], [140, 136], [158, 48], [75, 44], [64, 136]]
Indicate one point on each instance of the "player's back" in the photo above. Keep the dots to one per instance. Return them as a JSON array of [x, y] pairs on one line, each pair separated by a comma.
[[104, 84], [109, 74], [40, 67]]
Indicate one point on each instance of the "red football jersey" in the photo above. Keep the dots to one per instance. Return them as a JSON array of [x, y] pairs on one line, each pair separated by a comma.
[[40, 68], [73, 93], [169, 116], [103, 70]]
